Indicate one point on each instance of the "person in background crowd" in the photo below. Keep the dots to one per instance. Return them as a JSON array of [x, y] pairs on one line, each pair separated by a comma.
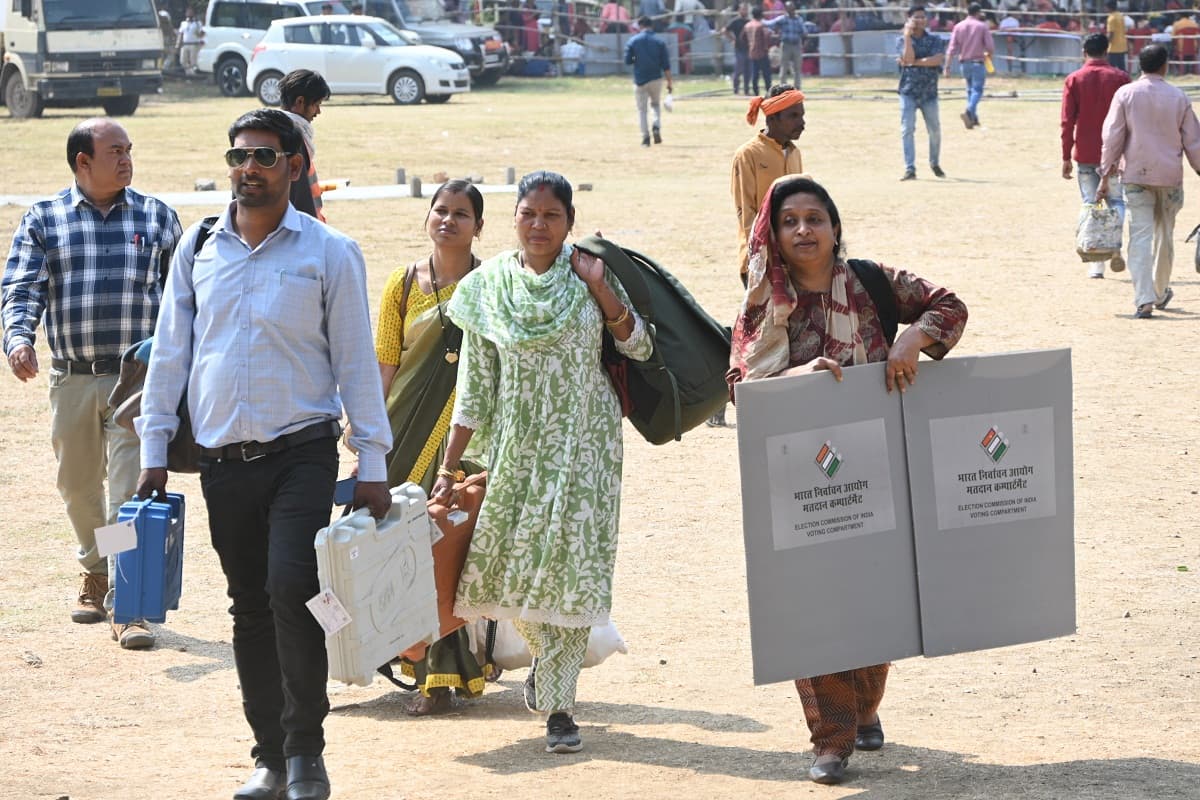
[[807, 311], [741, 54], [972, 42], [1150, 126], [267, 328], [191, 39], [790, 29], [89, 264], [301, 93], [651, 63], [534, 392], [1087, 95], [921, 57], [614, 18], [758, 49], [1118, 46]]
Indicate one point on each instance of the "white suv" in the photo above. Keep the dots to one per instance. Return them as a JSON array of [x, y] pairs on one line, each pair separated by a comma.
[[232, 29], [356, 55]]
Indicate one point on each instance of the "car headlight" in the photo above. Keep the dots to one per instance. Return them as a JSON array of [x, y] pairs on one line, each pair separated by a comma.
[[463, 44], [150, 63], [58, 66], [457, 65]]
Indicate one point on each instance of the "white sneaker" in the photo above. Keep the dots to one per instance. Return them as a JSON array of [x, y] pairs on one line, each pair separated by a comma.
[[1097, 270]]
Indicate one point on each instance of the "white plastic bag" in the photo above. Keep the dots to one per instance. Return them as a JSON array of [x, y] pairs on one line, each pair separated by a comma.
[[669, 102], [511, 652], [1098, 235]]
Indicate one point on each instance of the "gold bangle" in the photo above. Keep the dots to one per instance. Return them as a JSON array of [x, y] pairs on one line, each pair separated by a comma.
[[620, 320], [456, 475]]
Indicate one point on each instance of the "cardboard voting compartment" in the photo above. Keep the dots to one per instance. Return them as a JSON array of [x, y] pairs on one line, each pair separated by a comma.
[[825, 506], [147, 581], [989, 444], [382, 574]]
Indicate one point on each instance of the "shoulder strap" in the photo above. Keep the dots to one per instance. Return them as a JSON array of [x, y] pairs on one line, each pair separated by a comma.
[[876, 282], [386, 671], [409, 277], [206, 226]]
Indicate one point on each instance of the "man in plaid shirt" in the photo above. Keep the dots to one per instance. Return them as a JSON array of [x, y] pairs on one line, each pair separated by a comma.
[[91, 262]]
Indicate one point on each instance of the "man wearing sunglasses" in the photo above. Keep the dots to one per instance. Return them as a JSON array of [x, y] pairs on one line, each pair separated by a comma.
[[268, 328]]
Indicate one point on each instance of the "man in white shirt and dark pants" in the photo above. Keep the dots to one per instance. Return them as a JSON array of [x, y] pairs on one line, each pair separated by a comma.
[[267, 327]]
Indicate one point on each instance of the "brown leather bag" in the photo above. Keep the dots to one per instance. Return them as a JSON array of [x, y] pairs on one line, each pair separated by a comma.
[[450, 553], [183, 455]]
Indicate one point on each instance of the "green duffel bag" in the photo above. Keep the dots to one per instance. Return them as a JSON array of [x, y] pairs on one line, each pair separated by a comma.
[[683, 382]]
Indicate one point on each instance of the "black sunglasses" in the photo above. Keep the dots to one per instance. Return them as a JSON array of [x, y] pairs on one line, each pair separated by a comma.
[[265, 156]]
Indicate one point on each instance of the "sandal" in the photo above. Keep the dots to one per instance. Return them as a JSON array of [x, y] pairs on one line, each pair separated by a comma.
[[438, 702]]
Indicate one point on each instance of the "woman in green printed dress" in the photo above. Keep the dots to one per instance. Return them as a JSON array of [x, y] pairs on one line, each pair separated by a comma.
[[533, 393]]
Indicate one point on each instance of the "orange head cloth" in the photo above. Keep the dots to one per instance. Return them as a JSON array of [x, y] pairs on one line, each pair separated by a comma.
[[773, 105]]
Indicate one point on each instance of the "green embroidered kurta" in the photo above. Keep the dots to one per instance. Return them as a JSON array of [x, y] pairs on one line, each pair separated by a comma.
[[532, 385]]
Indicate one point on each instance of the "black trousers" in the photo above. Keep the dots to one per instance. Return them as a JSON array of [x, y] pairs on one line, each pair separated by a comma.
[[263, 516]]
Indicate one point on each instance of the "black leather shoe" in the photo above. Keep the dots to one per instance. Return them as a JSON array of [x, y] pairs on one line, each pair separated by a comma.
[[306, 778], [264, 784], [869, 737], [828, 773]]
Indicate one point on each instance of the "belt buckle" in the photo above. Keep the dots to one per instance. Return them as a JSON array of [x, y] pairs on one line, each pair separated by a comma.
[[248, 457]]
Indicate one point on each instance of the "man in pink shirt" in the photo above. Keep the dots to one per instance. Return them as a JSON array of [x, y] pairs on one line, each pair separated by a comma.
[[1087, 95], [1149, 126], [972, 42]]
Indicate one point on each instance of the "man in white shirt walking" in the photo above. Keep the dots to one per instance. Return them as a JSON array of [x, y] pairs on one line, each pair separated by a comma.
[[191, 38], [267, 326]]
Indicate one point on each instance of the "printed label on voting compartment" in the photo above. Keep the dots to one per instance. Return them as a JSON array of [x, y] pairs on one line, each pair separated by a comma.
[[990, 468], [830, 483], [116, 538], [329, 612]]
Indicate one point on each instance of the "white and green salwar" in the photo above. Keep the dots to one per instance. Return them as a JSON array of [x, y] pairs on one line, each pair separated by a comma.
[[533, 389]]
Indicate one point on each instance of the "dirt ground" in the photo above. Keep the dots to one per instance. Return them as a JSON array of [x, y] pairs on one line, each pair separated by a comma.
[[1108, 712]]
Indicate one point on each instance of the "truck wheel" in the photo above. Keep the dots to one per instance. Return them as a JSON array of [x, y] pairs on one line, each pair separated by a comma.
[[21, 103], [267, 88], [487, 78], [122, 106], [230, 75], [406, 87]]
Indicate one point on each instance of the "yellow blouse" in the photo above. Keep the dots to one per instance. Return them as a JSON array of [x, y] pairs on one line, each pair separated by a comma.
[[387, 334]]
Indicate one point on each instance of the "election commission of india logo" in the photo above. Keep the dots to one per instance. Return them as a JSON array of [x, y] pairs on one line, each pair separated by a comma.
[[995, 444], [828, 460]]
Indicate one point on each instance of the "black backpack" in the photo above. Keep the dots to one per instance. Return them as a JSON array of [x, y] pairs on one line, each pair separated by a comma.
[[683, 382]]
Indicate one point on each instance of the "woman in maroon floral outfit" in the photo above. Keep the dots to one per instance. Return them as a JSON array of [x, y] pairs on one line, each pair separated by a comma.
[[807, 311]]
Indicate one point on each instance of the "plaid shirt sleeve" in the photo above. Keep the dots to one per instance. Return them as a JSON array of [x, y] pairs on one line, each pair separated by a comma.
[[24, 284]]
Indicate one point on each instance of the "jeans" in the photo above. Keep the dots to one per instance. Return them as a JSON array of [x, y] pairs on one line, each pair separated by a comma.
[[762, 66], [1088, 176], [263, 516], [1152, 211], [908, 123], [741, 69], [975, 74], [1118, 61], [649, 94]]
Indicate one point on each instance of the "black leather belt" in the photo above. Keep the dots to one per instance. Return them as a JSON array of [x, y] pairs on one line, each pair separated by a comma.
[[252, 451], [102, 366]]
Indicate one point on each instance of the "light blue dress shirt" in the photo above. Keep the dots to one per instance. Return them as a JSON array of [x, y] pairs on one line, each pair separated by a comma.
[[263, 339]]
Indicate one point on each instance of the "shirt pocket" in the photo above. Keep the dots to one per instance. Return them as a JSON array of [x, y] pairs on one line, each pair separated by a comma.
[[142, 262], [295, 302]]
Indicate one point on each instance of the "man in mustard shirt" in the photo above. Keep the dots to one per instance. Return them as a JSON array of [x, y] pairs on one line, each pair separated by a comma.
[[1118, 46], [771, 154]]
